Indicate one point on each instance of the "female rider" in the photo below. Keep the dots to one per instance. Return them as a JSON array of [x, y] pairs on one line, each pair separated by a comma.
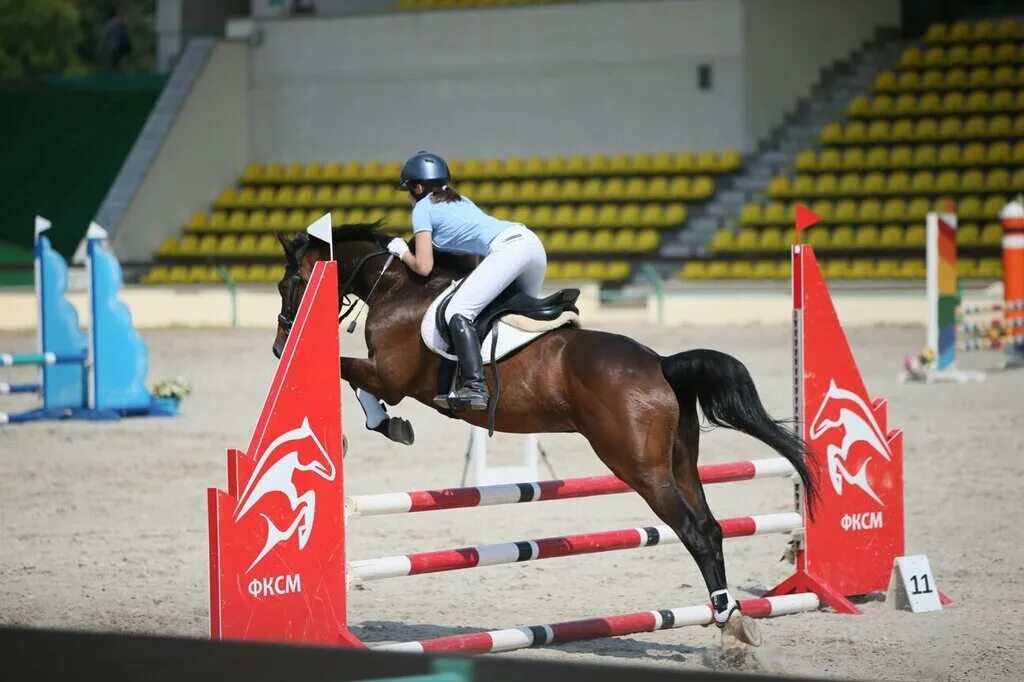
[[443, 219]]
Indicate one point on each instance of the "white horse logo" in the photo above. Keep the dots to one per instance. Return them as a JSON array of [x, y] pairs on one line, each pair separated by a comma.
[[845, 409], [275, 473]]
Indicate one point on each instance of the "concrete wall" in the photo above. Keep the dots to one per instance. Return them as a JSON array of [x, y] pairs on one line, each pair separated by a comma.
[[788, 42], [206, 149], [574, 78]]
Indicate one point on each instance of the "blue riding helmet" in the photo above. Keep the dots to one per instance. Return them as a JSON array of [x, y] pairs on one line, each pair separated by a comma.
[[426, 168]]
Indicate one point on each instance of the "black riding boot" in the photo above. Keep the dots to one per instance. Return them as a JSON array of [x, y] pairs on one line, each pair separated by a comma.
[[473, 392]]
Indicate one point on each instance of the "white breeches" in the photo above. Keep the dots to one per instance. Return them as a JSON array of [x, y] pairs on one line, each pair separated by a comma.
[[517, 255]]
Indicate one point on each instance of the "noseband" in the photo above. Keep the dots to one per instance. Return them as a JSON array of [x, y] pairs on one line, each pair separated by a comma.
[[346, 290]]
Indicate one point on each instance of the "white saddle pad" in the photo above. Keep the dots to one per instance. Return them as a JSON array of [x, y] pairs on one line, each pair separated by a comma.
[[510, 337]]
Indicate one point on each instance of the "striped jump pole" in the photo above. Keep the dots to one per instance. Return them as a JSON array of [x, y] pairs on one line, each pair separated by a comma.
[[12, 359], [543, 491], [7, 389], [559, 546], [606, 626]]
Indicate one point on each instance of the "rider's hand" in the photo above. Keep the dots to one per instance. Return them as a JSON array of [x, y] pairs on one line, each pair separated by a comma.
[[398, 248]]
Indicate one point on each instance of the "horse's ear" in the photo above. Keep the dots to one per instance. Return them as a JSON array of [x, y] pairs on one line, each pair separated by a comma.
[[286, 242]]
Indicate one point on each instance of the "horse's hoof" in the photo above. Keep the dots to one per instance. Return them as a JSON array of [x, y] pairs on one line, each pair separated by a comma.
[[400, 431], [740, 630]]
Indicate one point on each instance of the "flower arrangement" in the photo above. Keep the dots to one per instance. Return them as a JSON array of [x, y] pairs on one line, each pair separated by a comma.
[[176, 388]]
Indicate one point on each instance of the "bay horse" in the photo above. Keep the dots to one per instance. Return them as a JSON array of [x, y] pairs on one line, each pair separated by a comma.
[[637, 409]]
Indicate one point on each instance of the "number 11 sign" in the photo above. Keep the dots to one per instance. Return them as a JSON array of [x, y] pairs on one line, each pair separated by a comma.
[[913, 585]]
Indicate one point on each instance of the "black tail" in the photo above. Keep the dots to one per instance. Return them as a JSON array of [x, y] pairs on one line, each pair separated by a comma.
[[728, 397]]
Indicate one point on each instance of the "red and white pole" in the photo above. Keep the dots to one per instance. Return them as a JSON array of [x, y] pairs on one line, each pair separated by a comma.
[[1012, 217]]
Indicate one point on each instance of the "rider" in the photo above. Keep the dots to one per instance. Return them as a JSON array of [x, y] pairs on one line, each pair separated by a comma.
[[443, 219]]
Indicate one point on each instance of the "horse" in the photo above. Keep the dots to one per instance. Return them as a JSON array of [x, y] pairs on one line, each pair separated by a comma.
[[637, 409]]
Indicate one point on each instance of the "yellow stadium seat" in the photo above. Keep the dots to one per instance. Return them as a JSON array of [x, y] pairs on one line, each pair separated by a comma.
[[572, 270], [874, 183], [894, 210], [1009, 28], [892, 237], [998, 153], [967, 234], [218, 221], [707, 162], [912, 269], [614, 187], [966, 268], [832, 133], [866, 237], [955, 78], [522, 214], [604, 240], [254, 173], [168, 247], [806, 160], [580, 241], [803, 186], [701, 187], [294, 173], [629, 215], [984, 30], [778, 187], [925, 155], [304, 196], [972, 180], [1001, 126], [936, 33], [918, 208], [970, 208], [887, 268], [724, 240], [934, 56], [197, 221], [989, 268], [1018, 121], [178, 274], [313, 172], [228, 198], [826, 185], [774, 213], [877, 157], [274, 173], [659, 188], [686, 162], [853, 157], [535, 167], [885, 81], [922, 182], [846, 210], [862, 268], [675, 214], [664, 162], [1017, 180], [765, 269], [911, 58], [997, 180], [770, 239], [855, 132], [879, 131], [653, 214], [902, 130], [586, 216], [160, 274], [246, 245], [949, 155], [751, 214], [553, 190], [858, 106], [958, 55], [849, 184], [207, 246], [608, 216], [979, 77], [267, 245], [897, 183], [991, 234], [643, 163], [238, 220], [494, 168], [947, 181], [954, 102], [928, 128], [909, 80], [869, 211], [909, 104], [837, 268], [647, 240], [375, 171], [747, 240], [842, 237], [741, 269], [618, 270], [819, 237], [564, 216], [695, 269], [543, 216], [914, 236], [830, 159]]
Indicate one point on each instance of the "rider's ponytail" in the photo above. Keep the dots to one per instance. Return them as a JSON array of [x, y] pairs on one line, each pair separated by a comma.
[[444, 194]]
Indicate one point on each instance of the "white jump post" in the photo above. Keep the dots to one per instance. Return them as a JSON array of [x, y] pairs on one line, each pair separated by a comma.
[[481, 473]]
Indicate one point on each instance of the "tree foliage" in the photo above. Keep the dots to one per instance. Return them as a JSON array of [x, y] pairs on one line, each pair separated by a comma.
[[62, 36]]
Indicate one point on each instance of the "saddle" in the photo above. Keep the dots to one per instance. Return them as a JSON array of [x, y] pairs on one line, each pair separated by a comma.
[[512, 301], [516, 308]]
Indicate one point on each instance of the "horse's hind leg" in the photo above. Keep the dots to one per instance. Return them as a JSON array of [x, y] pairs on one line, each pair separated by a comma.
[[643, 456], [736, 628]]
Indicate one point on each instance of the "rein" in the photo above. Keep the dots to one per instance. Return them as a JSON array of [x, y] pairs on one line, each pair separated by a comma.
[[345, 291]]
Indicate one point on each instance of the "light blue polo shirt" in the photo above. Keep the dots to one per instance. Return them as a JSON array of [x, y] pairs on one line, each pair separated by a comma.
[[458, 226]]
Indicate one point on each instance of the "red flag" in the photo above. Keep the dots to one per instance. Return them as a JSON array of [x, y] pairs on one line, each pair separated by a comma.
[[805, 217]]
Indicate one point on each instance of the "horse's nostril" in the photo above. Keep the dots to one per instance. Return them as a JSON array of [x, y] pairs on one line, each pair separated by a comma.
[[277, 352]]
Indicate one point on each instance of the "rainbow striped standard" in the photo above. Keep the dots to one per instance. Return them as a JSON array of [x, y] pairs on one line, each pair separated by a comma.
[[542, 491], [606, 626], [942, 289], [439, 561]]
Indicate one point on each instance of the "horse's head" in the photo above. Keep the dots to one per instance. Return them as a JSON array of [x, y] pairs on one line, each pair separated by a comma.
[[353, 245]]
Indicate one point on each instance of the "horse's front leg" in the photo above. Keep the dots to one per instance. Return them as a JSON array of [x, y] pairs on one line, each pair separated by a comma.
[[361, 375]]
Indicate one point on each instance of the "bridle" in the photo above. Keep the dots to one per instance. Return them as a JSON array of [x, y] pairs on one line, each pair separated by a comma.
[[346, 291]]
